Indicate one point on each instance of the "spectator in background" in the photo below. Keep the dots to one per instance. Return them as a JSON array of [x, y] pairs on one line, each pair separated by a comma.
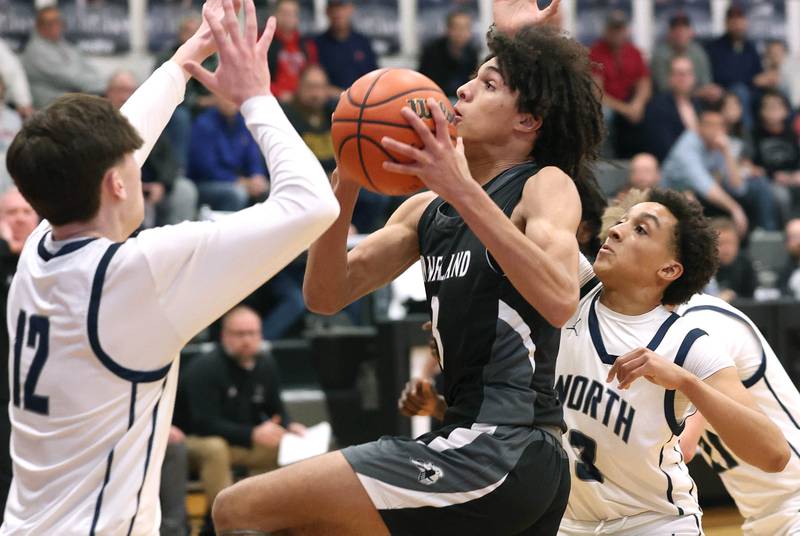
[[169, 198], [224, 160], [310, 114], [643, 174], [19, 92], [10, 123], [680, 42], [776, 150], [345, 54], [786, 77], [703, 163], [55, 66], [288, 54], [736, 277], [789, 278], [451, 60], [669, 114], [735, 63], [17, 222], [234, 397], [196, 98], [625, 79]]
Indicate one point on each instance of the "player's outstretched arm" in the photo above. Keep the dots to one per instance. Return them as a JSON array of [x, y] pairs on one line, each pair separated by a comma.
[[335, 277], [723, 401], [541, 261], [511, 15], [152, 104], [202, 269]]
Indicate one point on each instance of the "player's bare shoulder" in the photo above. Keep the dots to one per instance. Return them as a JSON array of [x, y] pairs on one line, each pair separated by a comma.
[[410, 211], [549, 190]]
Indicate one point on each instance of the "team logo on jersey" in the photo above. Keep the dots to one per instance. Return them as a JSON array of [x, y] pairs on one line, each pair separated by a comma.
[[428, 473], [574, 327], [438, 268]]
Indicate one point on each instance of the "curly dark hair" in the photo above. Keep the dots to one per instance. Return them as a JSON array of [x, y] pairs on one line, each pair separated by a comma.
[[593, 204], [553, 75], [695, 243]]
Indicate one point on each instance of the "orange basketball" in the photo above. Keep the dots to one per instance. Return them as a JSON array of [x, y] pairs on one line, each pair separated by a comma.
[[370, 110]]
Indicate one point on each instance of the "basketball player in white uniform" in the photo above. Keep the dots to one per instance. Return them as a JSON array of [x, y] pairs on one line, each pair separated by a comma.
[[97, 320], [628, 473], [770, 505]]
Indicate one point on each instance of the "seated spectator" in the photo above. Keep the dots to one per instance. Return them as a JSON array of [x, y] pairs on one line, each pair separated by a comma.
[[736, 277], [451, 59], [643, 173], [741, 136], [224, 160], [735, 63], [196, 97], [17, 222], [669, 114], [233, 395], [169, 198], [786, 70], [10, 123], [623, 75], [19, 92], [680, 42], [288, 53], [345, 54], [703, 163], [789, 278], [776, 151], [53, 65], [310, 111]]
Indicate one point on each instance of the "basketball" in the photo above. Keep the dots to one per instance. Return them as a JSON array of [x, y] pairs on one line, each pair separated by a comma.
[[370, 110]]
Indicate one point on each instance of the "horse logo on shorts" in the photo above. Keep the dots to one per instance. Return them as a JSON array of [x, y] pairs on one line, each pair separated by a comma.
[[428, 473]]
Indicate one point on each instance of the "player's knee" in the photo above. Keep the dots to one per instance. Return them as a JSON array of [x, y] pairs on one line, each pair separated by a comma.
[[223, 511]]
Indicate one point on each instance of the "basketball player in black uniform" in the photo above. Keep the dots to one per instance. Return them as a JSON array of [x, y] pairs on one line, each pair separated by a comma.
[[500, 259]]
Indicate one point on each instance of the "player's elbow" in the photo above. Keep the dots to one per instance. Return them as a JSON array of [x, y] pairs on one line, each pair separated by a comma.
[[777, 458], [320, 303], [325, 211], [560, 312]]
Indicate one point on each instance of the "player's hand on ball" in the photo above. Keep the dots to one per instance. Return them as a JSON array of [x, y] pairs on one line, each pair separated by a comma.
[[511, 15], [243, 70], [644, 363], [441, 166]]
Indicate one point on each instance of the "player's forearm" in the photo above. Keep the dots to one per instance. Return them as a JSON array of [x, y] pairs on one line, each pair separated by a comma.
[[541, 279], [151, 106], [326, 286], [751, 435]]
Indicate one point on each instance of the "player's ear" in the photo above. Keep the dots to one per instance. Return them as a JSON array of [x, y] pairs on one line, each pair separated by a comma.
[[113, 183], [670, 271], [527, 123]]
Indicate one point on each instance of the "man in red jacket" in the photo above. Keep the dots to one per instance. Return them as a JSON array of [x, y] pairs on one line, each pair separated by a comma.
[[289, 53]]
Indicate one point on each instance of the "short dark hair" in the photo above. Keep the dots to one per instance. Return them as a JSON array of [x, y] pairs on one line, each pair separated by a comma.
[[458, 12], [772, 93], [60, 156], [553, 75], [694, 242], [710, 107]]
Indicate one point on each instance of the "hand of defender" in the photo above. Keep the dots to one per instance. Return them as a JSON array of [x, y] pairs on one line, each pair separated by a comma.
[[647, 364], [442, 167], [511, 15], [243, 70], [419, 398], [203, 37]]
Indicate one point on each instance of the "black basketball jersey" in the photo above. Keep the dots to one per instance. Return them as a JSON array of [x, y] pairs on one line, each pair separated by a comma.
[[497, 352]]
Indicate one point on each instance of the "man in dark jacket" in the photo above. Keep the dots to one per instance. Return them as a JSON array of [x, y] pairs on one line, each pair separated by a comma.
[[234, 399], [451, 59]]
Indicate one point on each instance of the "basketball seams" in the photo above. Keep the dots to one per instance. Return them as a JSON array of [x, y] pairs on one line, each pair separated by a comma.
[[361, 109], [401, 94]]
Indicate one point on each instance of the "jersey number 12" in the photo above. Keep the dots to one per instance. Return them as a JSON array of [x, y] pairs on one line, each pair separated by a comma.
[[38, 339]]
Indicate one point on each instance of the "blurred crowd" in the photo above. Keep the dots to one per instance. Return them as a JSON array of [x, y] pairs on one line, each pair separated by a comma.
[[717, 120]]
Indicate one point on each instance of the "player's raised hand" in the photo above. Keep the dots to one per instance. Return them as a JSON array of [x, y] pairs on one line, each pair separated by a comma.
[[440, 165], [644, 363], [243, 70], [201, 45], [511, 15]]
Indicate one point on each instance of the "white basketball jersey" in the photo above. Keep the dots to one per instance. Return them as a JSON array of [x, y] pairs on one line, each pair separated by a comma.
[[756, 493], [623, 444]]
